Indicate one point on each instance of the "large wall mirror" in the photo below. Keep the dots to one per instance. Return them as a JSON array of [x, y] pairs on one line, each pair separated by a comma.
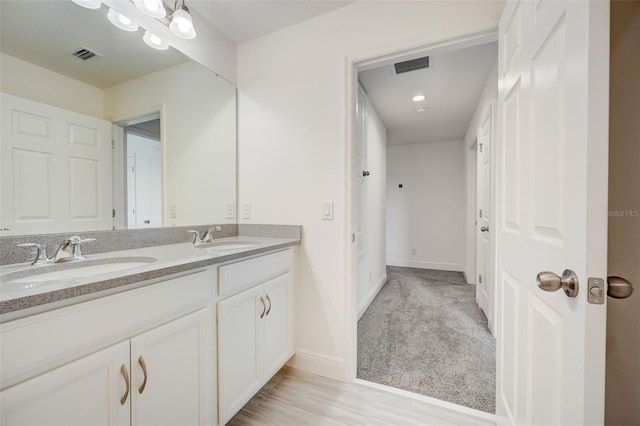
[[99, 131]]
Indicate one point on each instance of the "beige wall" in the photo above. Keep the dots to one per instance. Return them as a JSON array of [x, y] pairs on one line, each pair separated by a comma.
[[623, 319], [23, 79]]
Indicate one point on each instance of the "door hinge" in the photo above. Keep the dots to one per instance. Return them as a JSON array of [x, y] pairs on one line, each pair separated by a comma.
[[113, 144], [353, 238], [113, 212], [480, 279], [480, 214], [480, 147]]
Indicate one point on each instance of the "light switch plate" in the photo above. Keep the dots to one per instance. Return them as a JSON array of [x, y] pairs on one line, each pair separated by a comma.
[[231, 211], [327, 210], [173, 211], [245, 210]]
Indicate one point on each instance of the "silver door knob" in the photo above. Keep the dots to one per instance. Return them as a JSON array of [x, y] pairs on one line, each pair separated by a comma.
[[366, 173], [619, 288], [549, 281], [484, 229]]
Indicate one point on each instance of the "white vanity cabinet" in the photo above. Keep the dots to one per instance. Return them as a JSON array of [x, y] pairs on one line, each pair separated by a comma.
[[142, 357], [255, 327]]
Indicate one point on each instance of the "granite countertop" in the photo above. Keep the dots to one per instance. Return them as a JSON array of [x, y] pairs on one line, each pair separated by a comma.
[[20, 288]]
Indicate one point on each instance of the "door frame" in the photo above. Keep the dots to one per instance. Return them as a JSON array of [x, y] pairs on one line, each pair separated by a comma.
[[360, 62]]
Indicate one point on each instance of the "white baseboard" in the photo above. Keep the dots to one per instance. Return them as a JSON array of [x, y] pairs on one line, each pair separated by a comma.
[[364, 305], [438, 266], [320, 364]]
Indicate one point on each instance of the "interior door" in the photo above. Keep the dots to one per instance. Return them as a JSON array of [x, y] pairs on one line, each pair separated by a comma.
[[484, 285], [56, 169], [552, 204]]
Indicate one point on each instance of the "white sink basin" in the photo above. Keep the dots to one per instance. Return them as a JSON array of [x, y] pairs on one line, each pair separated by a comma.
[[76, 269], [230, 245]]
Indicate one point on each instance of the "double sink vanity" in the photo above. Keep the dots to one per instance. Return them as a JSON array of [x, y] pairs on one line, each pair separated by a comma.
[[171, 334]]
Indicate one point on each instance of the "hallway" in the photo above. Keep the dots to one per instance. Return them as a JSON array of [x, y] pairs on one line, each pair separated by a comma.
[[424, 333]]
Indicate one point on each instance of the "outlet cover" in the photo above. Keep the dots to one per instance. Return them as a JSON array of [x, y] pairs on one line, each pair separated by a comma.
[[245, 209], [231, 211]]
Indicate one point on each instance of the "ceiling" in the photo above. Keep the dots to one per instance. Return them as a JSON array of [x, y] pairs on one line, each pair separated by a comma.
[[243, 20], [46, 33], [453, 84]]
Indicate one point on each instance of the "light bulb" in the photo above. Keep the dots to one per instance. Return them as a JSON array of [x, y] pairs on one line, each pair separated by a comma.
[[154, 41], [121, 21], [89, 4], [182, 25], [153, 8], [418, 98]]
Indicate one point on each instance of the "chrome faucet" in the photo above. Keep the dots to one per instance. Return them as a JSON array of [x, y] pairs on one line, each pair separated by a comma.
[[207, 237], [69, 249]]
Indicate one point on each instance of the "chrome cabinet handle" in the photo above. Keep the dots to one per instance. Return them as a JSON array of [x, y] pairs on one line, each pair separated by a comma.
[[549, 281], [125, 374], [268, 309], [144, 370], [264, 307]]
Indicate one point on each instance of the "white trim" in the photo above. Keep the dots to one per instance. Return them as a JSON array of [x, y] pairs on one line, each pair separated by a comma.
[[438, 266], [317, 363], [449, 411], [364, 305]]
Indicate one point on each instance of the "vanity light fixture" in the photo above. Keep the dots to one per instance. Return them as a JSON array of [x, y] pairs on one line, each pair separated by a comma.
[[89, 4], [153, 8], [418, 98], [121, 21], [181, 22], [154, 41]]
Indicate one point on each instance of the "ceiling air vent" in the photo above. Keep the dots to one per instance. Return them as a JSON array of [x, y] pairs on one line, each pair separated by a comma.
[[85, 54], [412, 65]]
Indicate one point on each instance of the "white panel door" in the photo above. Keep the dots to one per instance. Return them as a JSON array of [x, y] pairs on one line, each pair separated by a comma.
[[239, 348], [169, 368], [90, 391], [485, 291], [55, 167], [552, 164], [277, 336]]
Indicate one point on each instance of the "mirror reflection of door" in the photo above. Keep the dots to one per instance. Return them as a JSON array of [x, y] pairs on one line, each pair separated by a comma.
[[144, 179]]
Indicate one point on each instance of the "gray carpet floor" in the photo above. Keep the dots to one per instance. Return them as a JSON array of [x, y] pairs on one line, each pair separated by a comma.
[[425, 333]]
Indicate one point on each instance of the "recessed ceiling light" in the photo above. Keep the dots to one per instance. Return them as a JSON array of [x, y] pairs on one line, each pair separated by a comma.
[[418, 98], [421, 109]]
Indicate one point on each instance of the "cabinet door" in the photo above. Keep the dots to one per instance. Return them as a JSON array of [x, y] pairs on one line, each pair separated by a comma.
[[240, 371], [172, 373], [84, 392], [278, 324]]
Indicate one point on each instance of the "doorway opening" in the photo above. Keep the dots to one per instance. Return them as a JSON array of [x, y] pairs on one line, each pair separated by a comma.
[[137, 159], [422, 172]]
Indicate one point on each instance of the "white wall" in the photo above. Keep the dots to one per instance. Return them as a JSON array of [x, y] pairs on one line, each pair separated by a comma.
[[198, 135], [292, 145], [23, 79], [489, 96], [428, 213], [372, 271]]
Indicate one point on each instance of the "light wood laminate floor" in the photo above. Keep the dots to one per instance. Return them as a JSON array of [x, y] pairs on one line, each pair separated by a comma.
[[297, 398]]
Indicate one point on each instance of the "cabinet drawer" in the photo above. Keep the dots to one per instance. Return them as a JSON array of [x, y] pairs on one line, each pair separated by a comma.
[[239, 276], [42, 342]]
